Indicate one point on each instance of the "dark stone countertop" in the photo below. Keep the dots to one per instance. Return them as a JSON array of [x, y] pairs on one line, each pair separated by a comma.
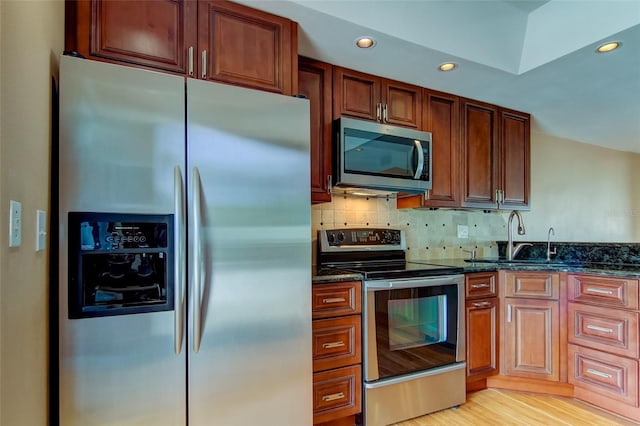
[[628, 270], [326, 275], [625, 270]]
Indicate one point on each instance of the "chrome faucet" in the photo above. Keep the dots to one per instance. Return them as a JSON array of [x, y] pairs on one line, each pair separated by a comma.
[[549, 252], [511, 250]]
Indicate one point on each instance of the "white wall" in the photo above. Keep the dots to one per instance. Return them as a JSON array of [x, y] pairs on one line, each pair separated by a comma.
[[31, 38]]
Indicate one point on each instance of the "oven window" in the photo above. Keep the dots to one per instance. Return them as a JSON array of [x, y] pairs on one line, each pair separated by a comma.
[[416, 329], [417, 322]]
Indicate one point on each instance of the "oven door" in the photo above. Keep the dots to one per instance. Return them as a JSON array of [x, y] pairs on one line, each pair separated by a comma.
[[413, 325]]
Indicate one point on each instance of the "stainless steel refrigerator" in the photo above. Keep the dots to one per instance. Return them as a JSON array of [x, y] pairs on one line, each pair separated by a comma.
[[184, 251]]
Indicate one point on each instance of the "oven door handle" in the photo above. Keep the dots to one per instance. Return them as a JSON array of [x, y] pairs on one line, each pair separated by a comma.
[[422, 282]]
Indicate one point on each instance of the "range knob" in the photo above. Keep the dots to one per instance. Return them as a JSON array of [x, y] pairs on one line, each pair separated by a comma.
[[331, 237], [341, 237]]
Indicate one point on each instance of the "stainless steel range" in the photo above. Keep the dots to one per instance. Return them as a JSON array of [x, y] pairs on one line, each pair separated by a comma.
[[413, 328]]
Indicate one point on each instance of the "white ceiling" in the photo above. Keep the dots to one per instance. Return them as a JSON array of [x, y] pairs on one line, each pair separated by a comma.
[[533, 56]]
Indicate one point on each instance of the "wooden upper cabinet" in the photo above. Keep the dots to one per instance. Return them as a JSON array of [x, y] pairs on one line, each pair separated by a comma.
[[368, 97], [495, 156], [441, 117], [514, 158], [150, 34], [315, 82], [214, 40], [246, 47], [480, 154]]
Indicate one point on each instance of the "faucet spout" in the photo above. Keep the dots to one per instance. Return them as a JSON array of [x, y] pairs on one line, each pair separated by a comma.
[[549, 251], [511, 251]]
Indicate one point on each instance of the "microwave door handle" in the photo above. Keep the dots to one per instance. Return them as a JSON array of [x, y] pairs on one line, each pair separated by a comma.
[[420, 165]]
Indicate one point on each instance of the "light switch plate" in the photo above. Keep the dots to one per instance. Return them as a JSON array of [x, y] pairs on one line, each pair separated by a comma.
[[41, 230], [15, 223], [463, 231]]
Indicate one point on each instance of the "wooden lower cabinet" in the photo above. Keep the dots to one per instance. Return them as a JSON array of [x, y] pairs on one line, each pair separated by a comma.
[[532, 339], [337, 394], [482, 328], [337, 353], [603, 339], [534, 329]]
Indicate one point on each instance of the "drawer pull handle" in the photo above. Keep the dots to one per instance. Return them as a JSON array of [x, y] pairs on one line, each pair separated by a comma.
[[599, 373], [333, 396], [334, 300], [333, 345], [481, 304], [598, 291], [598, 328], [479, 285]]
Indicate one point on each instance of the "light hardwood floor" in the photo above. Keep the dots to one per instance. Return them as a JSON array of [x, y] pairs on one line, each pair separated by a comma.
[[501, 407]]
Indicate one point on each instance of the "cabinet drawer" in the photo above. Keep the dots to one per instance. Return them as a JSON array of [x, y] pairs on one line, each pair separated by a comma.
[[480, 285], [618, 292], [334, 299], [603, 328], [337, 393], [537, 285], [609, 375], [336, 342]]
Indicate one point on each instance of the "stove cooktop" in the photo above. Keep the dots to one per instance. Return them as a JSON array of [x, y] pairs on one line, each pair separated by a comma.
[[405, 270]]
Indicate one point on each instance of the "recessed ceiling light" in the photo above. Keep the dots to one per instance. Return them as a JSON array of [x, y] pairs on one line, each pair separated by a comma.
[[365, 42], [447, 66], [608, 46]]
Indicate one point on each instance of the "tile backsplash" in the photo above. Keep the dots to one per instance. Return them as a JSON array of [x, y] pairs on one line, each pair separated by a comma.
[[431, 234]]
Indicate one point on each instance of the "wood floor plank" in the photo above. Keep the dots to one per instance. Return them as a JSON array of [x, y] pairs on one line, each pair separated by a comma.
[[502, 407]]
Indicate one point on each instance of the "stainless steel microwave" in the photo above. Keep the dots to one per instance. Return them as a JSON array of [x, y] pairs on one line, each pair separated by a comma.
[[382, 157]]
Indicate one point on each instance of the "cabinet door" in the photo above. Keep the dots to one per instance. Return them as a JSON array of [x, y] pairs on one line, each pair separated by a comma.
[[356, 94], [246, 47], [480, 149], [149, 34], [401, 104], [532, 339], [441, 117], [482, 337], [315, 82], [515, 158]]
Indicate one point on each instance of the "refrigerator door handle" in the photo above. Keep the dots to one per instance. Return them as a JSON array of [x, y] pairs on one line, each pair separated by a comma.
[[197, 265], [179, 269]]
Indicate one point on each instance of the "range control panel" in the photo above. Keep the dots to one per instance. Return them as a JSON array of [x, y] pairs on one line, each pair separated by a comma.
[[361, 238]]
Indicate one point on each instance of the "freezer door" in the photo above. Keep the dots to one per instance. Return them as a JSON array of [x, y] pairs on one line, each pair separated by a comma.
[[250, 257], [122, 134]]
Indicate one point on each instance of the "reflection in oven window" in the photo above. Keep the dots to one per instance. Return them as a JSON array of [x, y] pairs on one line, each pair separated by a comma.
[[417, 322]]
